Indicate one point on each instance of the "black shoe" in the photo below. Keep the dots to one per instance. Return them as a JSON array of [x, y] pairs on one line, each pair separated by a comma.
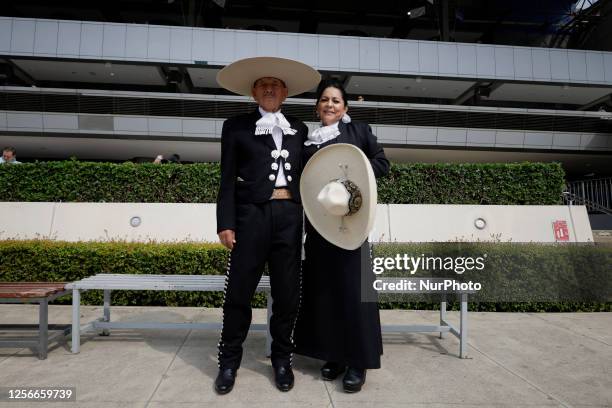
[[354, 379], [330, 371], [283, 377], [225, 380]]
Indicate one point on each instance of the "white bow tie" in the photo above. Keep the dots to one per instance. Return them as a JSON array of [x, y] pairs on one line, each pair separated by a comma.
[[325, 133], [269, 121]]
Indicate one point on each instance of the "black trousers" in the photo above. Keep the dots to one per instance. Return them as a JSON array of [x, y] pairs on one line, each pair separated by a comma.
[[269, 232]]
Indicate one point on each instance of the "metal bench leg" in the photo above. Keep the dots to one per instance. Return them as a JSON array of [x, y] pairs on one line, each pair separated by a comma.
[[463, 327], [76, 320], [43, 329], [443, 314], [107, 301], [268, 335]]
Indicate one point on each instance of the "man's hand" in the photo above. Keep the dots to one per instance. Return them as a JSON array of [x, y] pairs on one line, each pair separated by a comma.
[[227, 238]]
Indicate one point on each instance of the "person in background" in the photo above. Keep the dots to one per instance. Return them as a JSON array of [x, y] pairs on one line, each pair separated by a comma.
[[9, 156], [175, 158]]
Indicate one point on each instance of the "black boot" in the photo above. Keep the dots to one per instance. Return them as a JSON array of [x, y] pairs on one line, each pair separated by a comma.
[[331, 370], [283, 377], [354, 379], [225, 380]]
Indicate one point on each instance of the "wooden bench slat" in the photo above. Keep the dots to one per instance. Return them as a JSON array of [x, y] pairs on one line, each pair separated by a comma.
[[19, 290]]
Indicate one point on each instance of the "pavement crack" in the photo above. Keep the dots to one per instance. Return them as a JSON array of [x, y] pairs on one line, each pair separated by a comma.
[[331, 402], [165, 373]]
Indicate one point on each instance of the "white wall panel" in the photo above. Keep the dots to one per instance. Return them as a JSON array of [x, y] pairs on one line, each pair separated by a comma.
[[246, 45], [391, 134], [158, 43], [22, 39], [58, 121], [421, 135], [68, 39], [448, 136], [165, 125], [485, 61], [202, 45], [608, 66], [389, 55], [566, 140], [113, 45], [447, 58], [409, 56], [267, 44], [577, 65], [504, 62], [224, 47], [485, 137], [559, 64], [369, 55], [45, 40], [329, 52], [92, 36], [523, 64], [428, 57], [538, 139], [541, 63], [131, 124], [509, 138], [595, 66], [180, 44], [136, 41], [287, 45], [6, 30], [24, 120], [204, 127], [308, 49], [466, 60]]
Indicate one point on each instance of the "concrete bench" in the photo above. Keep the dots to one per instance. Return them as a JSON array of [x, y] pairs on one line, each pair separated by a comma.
[[212, 283], [33, 292]]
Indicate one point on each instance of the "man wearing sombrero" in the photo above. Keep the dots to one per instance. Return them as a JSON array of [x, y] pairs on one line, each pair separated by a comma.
[[259, 212]]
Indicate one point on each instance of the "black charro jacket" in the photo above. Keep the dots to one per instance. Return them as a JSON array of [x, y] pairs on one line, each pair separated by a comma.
[[246, 162], [360, 134]]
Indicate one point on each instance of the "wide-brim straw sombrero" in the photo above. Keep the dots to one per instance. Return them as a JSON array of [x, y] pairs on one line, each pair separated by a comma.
[[239, 76], [322, 197]]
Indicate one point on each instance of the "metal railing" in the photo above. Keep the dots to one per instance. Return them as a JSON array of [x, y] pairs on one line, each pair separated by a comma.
[[595, 194]]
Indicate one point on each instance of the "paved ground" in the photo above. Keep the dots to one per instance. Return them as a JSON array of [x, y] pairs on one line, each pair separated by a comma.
[[515, 360]]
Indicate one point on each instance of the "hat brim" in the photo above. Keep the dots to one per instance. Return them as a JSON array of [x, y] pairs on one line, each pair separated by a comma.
[[239, 76], [347, 232]]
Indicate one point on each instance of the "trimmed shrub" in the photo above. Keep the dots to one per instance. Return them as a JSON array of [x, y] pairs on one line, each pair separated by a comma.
[[529, 274], [74, 181]]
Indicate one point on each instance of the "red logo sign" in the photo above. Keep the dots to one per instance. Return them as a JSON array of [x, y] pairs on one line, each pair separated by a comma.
[[560, 230]]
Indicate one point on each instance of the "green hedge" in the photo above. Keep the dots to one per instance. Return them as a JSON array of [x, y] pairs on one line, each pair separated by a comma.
[[512, 266], [516, 276], [73, 181]]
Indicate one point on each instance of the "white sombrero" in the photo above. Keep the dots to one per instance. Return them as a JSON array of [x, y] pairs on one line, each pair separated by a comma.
[[240, 75], [339, 196]]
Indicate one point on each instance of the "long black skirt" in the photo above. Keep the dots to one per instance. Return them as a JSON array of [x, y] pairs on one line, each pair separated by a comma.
[[338, 319]]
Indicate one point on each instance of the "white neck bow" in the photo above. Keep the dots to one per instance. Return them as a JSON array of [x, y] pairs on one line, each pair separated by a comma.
[[325, 133], [270, 120]]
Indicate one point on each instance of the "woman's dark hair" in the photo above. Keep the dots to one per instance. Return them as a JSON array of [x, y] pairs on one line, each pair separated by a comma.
[[334, 83]]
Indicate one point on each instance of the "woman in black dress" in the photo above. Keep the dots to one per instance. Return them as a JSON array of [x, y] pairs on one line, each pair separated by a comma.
[[335, 323]]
